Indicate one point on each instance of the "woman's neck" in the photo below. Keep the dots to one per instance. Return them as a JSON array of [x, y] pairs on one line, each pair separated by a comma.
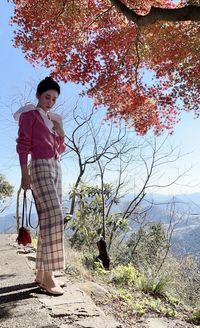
[[44, 110]]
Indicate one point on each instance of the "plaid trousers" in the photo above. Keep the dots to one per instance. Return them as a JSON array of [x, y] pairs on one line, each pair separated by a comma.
[[47, 190]]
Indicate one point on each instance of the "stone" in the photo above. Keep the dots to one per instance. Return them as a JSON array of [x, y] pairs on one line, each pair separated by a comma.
[[103, 322], [73, 302]]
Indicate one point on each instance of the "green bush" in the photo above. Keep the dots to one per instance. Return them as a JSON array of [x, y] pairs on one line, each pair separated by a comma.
[[125, 275], [156, 286], [195, 318]]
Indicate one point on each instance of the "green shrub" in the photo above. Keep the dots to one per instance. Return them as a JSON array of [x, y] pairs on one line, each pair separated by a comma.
[[99, 269], [125, 275], [195, 318], [156, 286]]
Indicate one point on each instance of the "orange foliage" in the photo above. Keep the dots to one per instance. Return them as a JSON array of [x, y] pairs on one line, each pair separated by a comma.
[[90, 42]]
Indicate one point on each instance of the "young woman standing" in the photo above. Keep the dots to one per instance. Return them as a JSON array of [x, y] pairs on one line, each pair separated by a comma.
[[41, 135]]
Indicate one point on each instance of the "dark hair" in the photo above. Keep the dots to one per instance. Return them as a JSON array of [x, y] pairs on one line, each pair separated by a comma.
[[48, 84]]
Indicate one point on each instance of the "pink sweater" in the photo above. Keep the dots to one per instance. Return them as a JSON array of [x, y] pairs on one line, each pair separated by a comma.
[[35, 138]]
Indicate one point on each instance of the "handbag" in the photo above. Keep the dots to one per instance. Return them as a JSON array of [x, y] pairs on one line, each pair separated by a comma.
[[24, 235]]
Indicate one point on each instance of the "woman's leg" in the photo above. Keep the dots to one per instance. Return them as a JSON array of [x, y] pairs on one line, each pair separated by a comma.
[[50, 252], [39, 262]]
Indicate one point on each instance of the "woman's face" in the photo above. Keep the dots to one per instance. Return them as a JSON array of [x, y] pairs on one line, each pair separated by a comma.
[[47, 99]]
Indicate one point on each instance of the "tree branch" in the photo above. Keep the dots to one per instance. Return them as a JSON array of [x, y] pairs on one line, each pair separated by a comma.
[[188, 13]]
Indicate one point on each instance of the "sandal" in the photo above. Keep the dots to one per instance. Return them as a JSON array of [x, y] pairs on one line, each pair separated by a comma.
[[55, 291], [61, 283]]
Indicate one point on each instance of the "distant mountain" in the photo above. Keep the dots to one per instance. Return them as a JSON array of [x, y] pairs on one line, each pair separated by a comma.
[[182, 212], [8, 222], [184, 209]]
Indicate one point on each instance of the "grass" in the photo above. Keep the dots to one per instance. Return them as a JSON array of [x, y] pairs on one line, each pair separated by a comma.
[[74, 265], [156, 286], [34, 242], [127, 275], [195, 318], [134, 294]]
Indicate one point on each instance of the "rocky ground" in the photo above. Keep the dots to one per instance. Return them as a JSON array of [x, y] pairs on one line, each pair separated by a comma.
[[24, 305]]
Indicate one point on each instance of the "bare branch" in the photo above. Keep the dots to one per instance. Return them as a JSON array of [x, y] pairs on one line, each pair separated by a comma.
[[187, 13]]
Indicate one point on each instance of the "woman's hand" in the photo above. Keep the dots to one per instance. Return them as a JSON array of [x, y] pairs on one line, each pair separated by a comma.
[[26, 179], [26, 182], [58, 129]]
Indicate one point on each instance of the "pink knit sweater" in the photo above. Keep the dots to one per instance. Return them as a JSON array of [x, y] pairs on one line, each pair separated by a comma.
[[35, 138]]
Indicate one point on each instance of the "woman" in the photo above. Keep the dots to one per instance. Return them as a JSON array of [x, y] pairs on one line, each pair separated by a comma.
[[41, 135]]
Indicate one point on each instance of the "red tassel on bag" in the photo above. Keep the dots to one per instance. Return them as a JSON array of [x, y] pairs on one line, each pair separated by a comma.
[[24, 235]]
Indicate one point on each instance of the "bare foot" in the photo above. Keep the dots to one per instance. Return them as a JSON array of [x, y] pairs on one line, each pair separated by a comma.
[[39, 277]]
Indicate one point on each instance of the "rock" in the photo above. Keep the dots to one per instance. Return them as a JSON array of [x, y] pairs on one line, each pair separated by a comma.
[[73, 302], [103, 322], [156, 323], [92, 288], [166, 323]]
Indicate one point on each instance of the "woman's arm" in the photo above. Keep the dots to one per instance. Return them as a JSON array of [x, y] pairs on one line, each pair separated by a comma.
[[25, 177], [58, 128], [61, 135], [24, 146]]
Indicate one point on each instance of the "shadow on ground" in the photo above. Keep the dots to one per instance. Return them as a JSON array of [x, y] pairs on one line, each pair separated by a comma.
[[7, 276], [17, 293]]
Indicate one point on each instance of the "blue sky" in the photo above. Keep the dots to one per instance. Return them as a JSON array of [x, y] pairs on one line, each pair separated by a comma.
[[18, 77]]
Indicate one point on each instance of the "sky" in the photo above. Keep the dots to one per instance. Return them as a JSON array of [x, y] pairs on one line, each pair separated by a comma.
[[18, 77]]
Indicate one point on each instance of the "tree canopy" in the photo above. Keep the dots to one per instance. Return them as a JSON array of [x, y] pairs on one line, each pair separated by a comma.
[[140, 59], [6, 190]]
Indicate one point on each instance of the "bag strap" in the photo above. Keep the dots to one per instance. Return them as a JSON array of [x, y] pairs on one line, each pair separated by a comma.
[[29, 216], [26, 218], [24, 211]]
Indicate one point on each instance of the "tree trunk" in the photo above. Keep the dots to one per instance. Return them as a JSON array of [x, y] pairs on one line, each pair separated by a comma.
[[103, 254]]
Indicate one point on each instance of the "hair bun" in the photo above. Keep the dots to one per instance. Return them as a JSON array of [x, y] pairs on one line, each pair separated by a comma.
[[48, 84], [49, 79]]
